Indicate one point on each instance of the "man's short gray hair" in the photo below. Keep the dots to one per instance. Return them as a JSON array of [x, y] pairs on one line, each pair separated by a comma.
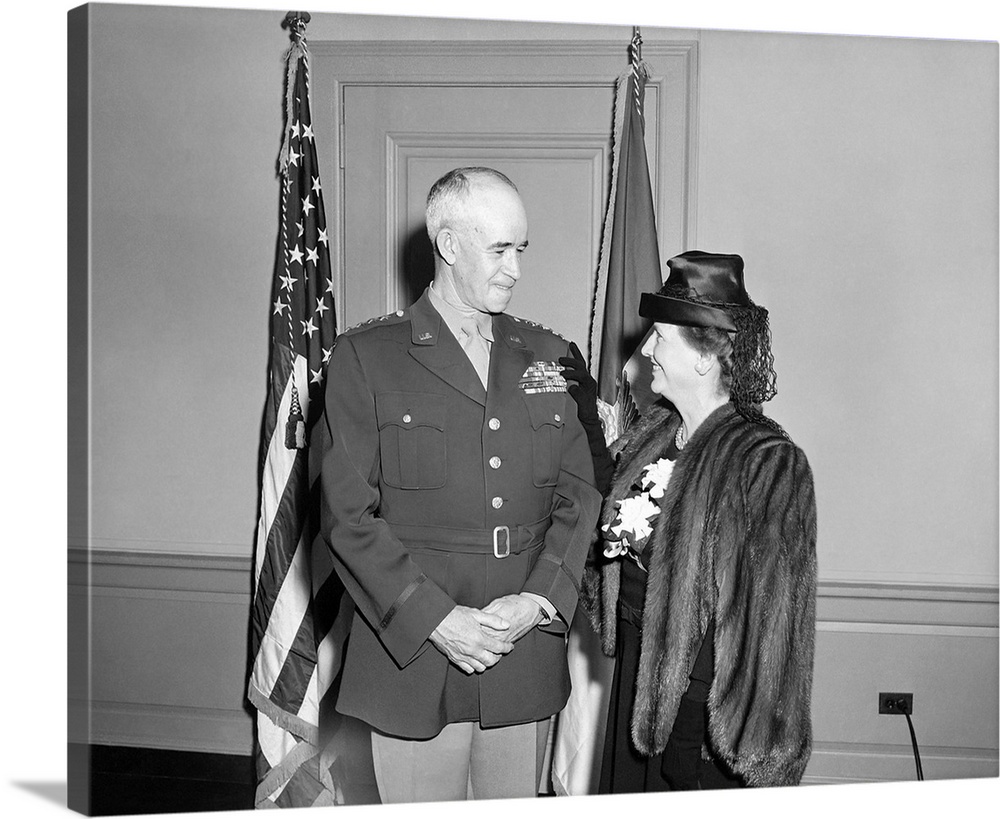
[[450, 189]]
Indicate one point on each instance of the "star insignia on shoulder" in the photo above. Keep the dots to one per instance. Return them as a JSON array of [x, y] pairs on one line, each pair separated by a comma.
[[396, 315], [535, 325]]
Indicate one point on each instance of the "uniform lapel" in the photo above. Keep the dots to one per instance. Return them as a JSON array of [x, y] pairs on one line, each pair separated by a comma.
[[434, 346]]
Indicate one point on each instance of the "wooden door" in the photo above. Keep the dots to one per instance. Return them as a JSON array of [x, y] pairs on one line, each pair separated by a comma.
[[405, 113]]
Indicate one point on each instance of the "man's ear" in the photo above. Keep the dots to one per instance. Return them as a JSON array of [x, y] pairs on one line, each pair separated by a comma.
[[446, 244]]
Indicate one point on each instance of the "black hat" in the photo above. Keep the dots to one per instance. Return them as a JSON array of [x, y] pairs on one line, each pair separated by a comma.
[[707, 290], [698, 290]]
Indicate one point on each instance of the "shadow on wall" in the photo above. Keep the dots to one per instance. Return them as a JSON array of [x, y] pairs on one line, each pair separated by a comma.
[[418, 264]]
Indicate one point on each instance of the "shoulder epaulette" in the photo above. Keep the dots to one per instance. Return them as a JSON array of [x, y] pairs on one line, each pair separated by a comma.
[[387, 318], [534, 325]]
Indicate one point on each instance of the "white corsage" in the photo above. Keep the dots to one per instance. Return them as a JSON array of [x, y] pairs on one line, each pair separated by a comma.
[[633, 523], [656, 477]]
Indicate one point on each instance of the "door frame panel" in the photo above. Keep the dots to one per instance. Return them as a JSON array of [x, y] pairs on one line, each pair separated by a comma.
[[671, 136]]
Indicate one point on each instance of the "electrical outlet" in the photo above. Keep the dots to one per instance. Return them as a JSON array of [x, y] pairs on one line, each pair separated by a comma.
[[894, 703]]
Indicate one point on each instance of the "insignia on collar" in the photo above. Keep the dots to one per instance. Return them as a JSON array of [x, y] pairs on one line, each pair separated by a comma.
[[425, 336], [542, 376]]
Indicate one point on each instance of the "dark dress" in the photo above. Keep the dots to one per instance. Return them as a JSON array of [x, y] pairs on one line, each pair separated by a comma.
[[680, 766]]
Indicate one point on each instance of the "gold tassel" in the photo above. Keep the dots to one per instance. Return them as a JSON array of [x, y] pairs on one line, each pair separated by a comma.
[[295, 427]]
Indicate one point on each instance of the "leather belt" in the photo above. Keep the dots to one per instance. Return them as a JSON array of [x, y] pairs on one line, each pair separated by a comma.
[[500, 541]]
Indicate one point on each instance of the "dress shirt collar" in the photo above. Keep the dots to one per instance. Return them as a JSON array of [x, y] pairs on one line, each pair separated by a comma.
[[455, 315]]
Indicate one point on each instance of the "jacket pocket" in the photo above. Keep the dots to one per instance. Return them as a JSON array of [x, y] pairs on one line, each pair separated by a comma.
[[547, 422], [411, 432]]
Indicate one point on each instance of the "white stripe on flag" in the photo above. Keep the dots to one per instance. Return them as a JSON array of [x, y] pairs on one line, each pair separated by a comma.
[[279, 460], [283, 626], [309, 711], [576, 761], [284, 754], [275, 742]]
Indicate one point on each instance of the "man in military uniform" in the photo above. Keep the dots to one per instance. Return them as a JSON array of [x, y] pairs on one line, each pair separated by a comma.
[[458, 501]]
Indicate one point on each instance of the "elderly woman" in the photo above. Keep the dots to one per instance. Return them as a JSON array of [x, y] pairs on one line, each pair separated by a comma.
[[706, 595]]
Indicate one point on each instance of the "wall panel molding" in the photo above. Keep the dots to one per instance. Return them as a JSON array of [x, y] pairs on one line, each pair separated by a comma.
[[887, 607], [165, 655], [857, 603], [403, 148], [157, 593], [861, 606]]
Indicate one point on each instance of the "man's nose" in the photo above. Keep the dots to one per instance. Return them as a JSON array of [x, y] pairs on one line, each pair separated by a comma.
[[512, 265]]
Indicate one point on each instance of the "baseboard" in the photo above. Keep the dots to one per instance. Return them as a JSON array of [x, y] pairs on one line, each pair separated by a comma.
[[172, 728], [839, 763]]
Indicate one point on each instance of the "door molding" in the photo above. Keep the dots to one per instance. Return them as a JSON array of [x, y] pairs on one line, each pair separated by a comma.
[[336, 66], [589, 149]]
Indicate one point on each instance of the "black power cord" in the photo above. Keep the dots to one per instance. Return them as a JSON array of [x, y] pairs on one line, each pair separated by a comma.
[[903, 707]]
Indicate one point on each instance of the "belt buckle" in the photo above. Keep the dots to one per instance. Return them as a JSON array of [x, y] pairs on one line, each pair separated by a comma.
[[501, 535]]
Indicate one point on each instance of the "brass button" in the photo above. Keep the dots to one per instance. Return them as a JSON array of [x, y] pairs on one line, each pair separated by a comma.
[[494, 423], [497, 503], [495, 462], [407, 418], [557, 417]]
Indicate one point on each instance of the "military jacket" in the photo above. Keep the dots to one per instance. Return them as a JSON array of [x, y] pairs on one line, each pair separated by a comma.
[[437, 492]]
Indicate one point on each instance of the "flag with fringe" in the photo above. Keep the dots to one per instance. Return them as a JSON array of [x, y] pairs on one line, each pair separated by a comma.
[[629, 265], [630, 257], [300, 611]]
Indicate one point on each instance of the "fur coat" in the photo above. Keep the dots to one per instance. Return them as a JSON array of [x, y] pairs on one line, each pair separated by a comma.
[[735, 541]]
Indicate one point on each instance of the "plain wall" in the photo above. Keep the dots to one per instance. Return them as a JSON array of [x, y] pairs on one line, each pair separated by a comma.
[[858, 178]]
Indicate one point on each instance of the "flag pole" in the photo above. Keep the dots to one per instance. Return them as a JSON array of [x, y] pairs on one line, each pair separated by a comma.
[[296, 628], [629, 265]]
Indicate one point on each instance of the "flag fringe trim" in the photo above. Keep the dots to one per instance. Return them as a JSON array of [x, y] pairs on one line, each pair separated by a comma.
[[298, 50], [279, 775], [291, 723], [601, 287]]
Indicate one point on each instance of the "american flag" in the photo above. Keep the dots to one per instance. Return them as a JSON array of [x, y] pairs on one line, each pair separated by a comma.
[[300, 611], [629, 265]]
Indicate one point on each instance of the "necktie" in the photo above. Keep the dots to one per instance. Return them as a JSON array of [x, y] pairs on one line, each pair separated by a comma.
[[476, 348]]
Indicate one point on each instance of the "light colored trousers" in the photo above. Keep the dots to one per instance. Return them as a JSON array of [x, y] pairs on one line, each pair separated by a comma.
[[464, 761]]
